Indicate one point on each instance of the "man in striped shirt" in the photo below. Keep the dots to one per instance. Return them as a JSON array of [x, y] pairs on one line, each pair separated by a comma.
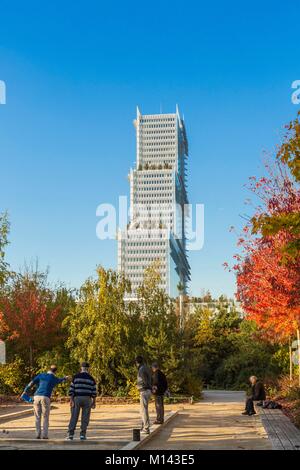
[[82, 397]]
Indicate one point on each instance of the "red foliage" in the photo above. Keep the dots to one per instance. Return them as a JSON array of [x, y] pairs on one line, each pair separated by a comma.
[[30, 315], [268, 289]]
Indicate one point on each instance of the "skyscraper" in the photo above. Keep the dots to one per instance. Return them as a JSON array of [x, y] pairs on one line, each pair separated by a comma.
[[157, 226]]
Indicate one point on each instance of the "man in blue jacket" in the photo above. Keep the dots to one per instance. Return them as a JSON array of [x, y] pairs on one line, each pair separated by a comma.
[[45, 383]]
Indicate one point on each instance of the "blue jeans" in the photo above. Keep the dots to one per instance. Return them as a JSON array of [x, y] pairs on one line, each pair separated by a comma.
[[84, 404], [145, 396]]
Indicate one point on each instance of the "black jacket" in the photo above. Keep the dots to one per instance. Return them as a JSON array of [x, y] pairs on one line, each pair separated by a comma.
[[258, 391], [144, 378], [159, 382]]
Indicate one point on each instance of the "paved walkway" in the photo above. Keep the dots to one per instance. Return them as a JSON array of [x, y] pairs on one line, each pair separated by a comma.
[[281, 431], [110, 428], [13, 408], [214, 423]]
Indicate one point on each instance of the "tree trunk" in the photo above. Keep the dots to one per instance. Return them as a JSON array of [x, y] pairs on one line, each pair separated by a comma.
[[291, 361], [181, 312], [30, 356]]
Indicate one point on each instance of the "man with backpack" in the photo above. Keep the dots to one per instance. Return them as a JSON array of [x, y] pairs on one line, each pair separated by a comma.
[[159, 388]]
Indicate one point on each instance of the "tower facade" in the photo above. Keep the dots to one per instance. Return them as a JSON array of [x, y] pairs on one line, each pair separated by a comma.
[[158, 195]]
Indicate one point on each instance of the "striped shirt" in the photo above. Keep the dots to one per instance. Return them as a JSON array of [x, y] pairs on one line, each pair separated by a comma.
[[83, 385]]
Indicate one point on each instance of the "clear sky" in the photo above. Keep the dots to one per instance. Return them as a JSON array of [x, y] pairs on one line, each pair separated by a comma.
[[74, 73]]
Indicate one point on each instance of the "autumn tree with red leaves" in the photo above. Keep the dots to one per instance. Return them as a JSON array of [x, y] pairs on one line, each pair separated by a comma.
[[289, 219], [268, 267], [267, 286], [269, 289], [31, 315]]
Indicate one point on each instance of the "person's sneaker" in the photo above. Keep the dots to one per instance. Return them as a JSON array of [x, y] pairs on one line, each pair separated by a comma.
[[158, 422], [145, 431], [70, 437], [82, 437], [245, 413], [45, 437], [38, 437], [252, 413]]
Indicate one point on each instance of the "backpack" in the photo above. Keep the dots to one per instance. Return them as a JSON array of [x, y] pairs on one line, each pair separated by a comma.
[[272, 405]]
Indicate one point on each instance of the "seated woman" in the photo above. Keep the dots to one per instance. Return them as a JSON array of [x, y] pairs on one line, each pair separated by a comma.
[[258, 394]]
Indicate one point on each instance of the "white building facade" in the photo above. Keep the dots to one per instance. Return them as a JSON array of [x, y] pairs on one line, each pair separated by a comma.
[[158, 197]]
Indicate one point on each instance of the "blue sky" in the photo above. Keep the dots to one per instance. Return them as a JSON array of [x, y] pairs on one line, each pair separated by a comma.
[[74, 73]]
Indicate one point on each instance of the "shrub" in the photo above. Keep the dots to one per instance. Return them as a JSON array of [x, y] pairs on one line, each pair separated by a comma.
[[120, 392], [13, 377], [193, 386], [132, 391], [289, 389], [65, 366]]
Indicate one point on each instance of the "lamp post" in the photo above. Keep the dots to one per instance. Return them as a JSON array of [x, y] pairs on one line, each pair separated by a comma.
[[296, 354]]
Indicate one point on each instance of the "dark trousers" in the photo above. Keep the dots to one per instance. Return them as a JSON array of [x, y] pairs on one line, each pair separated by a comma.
[[249, 405], [84, 404], [160, 409]]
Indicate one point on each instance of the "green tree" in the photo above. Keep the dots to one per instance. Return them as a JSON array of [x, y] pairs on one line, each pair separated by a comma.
[[163, 339], [228, 348], [99, 328], [213, 338], [250, 355], [160, 324]]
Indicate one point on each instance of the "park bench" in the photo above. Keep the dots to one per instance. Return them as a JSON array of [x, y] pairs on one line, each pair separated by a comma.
[[281, 431]]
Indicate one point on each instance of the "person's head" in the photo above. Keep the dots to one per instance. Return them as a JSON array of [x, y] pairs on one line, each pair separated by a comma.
[[253, 379], [53, 368], [139, 360], [84, 366], [155, 366]]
